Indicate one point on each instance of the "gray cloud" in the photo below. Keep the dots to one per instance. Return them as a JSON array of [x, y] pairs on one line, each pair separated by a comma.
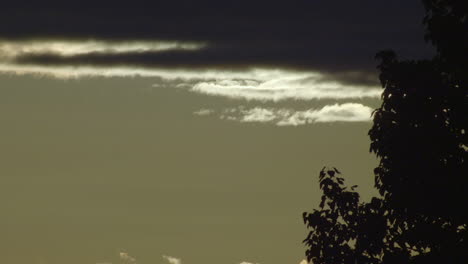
[[208, 57], [174, 55]]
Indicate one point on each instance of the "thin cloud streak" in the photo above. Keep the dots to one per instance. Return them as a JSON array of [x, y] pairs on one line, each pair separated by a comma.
[[203, 112], [88, 57], [12, 49], [250, 84], [246, 81], [73, 72], [294, 86]]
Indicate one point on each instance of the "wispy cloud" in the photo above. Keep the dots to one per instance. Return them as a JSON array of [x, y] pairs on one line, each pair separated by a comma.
[[282, 87], [261, 115], [246, 262], [249, 84], [184, 76], [347, 112], [172, 260], [74, 59], [242, 84], [203, 112], [71, 48], [126, 258]]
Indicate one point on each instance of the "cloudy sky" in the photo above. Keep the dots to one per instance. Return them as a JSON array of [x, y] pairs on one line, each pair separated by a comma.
[[138, 132]]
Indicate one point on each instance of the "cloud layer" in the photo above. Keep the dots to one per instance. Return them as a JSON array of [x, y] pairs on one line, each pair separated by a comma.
[[336, 40], [318, 35], [307, 51], [64, 58], [261, 84]]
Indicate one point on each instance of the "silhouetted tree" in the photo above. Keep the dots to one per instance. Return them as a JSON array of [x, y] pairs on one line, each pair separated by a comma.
[[346, 231], [447, 29], [420, 136]]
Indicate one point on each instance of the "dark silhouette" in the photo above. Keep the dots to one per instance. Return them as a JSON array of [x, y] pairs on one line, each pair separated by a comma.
[[420, 136], [346, 231]]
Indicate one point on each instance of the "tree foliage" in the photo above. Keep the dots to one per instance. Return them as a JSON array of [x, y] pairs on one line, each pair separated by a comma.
[[346, 231], [420, 136], [343, 229], [446, 24]]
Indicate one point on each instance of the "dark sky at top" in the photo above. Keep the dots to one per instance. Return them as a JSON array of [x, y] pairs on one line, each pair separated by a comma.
[[327, 36]]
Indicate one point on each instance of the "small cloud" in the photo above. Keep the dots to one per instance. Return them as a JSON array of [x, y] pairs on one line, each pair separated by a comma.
[[246, 262], [126, 258], [203, 112], [172, 260], [347, 112]]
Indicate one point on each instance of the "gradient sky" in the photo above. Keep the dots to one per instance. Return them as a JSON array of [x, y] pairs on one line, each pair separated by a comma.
[[182, 132]]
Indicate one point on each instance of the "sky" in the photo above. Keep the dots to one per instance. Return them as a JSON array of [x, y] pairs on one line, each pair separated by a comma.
[[184, 132]]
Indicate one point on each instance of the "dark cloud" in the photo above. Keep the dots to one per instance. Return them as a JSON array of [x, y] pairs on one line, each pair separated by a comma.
[[212, 20], [328, 36], [232, 56]]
